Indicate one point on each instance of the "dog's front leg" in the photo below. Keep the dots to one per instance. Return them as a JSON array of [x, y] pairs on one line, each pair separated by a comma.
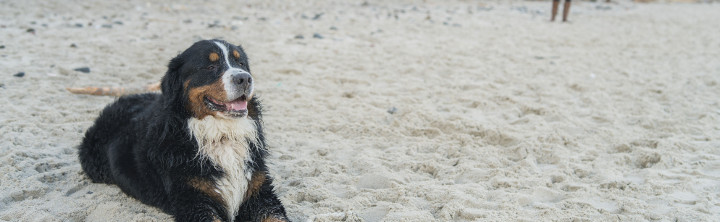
[[192, 204], [261, 204]]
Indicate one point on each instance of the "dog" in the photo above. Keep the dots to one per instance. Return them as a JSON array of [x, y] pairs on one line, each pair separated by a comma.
[[197, 150]]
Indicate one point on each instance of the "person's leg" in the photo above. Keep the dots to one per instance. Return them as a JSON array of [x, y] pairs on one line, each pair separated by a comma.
[[566, 10], [554, 10]]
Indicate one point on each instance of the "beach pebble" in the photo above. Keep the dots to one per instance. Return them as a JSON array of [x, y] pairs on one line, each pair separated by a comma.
[[30, 30], [317, 16], [333, 28], [2, 46], [83, 69], [20, 74], [392, 110], [73, 45], [109, 26], [299, 37], [79, 25], [215, 23], [317, 36]]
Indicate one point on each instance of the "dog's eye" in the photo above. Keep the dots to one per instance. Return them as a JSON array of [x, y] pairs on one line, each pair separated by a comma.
[[211, 67]]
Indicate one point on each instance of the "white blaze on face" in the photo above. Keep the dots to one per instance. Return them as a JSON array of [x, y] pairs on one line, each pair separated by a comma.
[[233, 92]]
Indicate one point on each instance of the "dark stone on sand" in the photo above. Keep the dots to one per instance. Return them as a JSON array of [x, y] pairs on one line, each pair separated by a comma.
[[79, 25], [392, 110], [215, 23], [20, 74], [83, 69], [30, 30], [118, 22], [317, 36], [2, 46], [333, 28], [73, 45], [317, 16], [299, 37], [109, 26], [602, 7], [2, 85], [89, 192], [187, 21]]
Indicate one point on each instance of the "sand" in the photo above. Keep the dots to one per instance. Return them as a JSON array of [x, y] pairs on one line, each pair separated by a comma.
[[393, 110]]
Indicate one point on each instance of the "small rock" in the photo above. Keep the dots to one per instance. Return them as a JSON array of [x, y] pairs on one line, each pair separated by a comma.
[[2, 46], [73, 45], [109, 26], [89, 192], [299, 37], [79, 25], [317, 16], [30, 30], [83, 69], [118, 22], [215, 23], [20, 74], [2, 85], [317, 36], [333, 28], [187, 21], [605, 8], [392, 110]]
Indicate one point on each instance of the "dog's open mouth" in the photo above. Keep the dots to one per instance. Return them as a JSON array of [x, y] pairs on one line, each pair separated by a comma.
[[235, 108]]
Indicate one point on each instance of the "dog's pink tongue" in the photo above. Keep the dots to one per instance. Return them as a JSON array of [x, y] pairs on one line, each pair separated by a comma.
[[237, 105]]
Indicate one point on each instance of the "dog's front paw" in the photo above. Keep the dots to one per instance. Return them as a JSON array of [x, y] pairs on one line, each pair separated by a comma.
[[273, 218]]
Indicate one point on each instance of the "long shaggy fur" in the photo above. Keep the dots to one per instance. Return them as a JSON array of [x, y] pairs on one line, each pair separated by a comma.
[[178, 154]]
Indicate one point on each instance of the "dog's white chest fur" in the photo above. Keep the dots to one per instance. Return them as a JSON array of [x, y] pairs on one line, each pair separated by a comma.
[[224, 142]]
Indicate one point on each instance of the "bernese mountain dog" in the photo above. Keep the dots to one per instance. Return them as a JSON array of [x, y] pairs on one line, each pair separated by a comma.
[[196, 150]]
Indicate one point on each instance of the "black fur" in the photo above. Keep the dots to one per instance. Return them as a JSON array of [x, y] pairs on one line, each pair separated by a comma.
[[141, 143]]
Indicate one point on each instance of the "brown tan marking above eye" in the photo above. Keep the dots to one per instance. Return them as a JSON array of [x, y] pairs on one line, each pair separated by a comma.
[[236, 54], [214, 57]]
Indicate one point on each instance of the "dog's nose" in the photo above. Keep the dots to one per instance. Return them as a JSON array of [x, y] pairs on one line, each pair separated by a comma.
[[242, 79]]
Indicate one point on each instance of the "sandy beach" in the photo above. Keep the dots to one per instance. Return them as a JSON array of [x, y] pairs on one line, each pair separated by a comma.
[[393, 110]]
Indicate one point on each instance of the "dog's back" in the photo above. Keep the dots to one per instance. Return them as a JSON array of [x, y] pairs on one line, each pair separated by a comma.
[[112, 129]]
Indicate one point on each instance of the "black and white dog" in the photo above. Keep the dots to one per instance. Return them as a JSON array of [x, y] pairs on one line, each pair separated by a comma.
[[197, 150]]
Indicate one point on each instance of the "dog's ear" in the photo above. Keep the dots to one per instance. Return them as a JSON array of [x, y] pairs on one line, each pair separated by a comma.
[[171, 85]]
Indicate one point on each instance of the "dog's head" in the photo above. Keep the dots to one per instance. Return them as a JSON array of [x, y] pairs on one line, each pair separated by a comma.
[[211, 78]]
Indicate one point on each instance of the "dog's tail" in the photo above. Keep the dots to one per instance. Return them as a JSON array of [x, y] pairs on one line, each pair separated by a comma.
[[114, 91]]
